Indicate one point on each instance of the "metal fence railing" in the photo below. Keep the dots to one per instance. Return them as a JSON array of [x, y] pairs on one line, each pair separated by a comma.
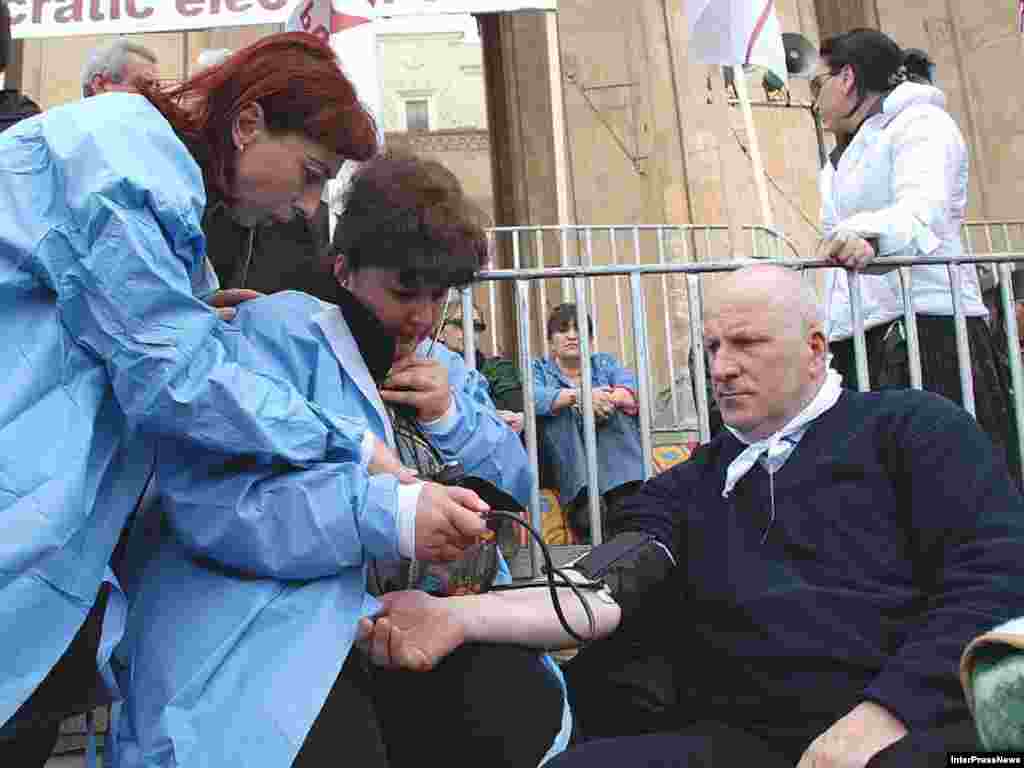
[[642, 280], [618, 245]]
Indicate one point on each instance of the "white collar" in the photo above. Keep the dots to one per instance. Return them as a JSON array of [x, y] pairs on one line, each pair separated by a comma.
[[778, 446], [346, 350]]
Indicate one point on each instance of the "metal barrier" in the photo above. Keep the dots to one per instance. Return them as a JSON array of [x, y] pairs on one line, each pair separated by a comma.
[[613, 245], [581, 278]]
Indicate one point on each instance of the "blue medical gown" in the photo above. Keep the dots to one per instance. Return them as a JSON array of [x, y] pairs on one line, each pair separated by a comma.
[[619, 452], [223, 667], [105, 345]]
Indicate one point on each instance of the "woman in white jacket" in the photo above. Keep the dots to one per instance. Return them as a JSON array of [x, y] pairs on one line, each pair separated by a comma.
[[896, 186]]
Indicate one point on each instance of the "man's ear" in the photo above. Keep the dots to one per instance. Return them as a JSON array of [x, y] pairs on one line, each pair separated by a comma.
[[248, 124], [819, 347], [97, 85]]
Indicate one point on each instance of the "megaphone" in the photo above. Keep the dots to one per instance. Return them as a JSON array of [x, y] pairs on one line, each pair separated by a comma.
[[801, 55]]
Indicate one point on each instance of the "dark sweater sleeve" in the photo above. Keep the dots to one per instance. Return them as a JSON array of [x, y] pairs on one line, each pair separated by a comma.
[[656, 508], [965, 524]]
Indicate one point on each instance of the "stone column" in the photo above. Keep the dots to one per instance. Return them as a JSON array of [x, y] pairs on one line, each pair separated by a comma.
[[836, 16]]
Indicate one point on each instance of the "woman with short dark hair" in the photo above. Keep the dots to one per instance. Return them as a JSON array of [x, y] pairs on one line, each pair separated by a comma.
[[240, 637]]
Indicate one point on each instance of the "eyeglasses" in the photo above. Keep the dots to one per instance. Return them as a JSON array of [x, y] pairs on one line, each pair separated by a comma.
[[819, 82], [478, 325]]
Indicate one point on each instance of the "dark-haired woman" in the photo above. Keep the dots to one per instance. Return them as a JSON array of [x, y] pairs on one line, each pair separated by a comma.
[[240, 638], [556, 392], [896, 186], [102, 264]]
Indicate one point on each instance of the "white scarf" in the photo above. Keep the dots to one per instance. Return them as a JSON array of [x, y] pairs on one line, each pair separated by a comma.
[[776, 448]]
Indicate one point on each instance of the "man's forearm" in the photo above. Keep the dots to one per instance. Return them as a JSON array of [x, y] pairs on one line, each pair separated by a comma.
[[527, 617]]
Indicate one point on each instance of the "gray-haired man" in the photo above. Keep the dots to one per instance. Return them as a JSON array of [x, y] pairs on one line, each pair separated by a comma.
[[118, 66]]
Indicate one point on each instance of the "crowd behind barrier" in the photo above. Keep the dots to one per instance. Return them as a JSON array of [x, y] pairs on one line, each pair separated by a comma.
[[663, 266]]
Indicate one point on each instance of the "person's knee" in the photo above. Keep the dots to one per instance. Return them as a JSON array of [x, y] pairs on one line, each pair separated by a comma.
[[998, 686]]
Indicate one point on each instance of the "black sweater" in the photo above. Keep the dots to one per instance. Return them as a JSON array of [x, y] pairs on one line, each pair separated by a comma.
[[15, 107], [897, 538]]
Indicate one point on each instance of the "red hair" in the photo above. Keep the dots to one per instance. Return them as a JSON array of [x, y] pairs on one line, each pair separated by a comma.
[[295, 77]]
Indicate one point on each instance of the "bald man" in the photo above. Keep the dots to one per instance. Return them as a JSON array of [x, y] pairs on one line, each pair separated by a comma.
[[836, 551]]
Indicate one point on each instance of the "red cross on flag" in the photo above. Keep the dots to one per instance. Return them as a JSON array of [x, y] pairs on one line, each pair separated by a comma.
[[322, 18]]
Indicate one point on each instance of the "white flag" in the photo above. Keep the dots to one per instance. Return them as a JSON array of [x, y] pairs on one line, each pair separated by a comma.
[[736, 33]]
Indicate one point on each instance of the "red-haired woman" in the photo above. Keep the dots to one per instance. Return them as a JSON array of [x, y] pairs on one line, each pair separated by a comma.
[[102, 265]]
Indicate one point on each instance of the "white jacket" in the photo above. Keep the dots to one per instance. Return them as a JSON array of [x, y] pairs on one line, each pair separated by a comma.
[[903, 179]]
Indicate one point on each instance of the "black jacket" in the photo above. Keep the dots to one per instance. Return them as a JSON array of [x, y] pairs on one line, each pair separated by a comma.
[[15, 107], [285, 257]]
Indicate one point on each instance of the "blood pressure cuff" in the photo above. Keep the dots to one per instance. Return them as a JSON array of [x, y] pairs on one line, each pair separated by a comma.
[[631, 565]]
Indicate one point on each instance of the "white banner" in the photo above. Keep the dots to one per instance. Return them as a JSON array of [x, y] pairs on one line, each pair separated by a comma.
[[62, 18]]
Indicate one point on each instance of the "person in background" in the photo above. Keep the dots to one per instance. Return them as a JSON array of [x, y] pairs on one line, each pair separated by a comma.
[[896, 186], [558, 399], [506, 386], [14, 105], [120, 66]]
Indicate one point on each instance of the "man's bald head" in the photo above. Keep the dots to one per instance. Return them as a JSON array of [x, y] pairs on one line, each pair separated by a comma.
[[766, 349], [780, 288]]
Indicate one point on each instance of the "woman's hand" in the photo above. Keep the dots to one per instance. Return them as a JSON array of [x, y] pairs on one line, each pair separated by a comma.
[[625, 401], [604, 404], [420, 383], [847, 250], [449, 520], [226, 301], [383, 461], [566, 399], [512, 419]]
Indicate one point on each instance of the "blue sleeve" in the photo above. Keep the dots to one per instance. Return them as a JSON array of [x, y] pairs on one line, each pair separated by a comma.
[[267, 519], [479, 439], [616, 375], [119, 245], [545, 388], [276, 521]]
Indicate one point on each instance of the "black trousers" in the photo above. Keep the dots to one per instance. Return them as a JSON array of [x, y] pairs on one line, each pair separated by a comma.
[[716, 745], [72, 687], [482, 705], [888, 366]]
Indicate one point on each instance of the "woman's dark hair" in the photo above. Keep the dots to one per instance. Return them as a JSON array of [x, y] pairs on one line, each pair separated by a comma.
[[874, 57], [920, 67], [5, 34], [294, 77], [563, 317], [408, 213]]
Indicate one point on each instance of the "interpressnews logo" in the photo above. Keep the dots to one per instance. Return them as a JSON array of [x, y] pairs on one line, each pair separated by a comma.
[[988, 758]]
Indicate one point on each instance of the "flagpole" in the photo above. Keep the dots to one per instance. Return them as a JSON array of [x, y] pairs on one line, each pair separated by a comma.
[[754, 146]]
